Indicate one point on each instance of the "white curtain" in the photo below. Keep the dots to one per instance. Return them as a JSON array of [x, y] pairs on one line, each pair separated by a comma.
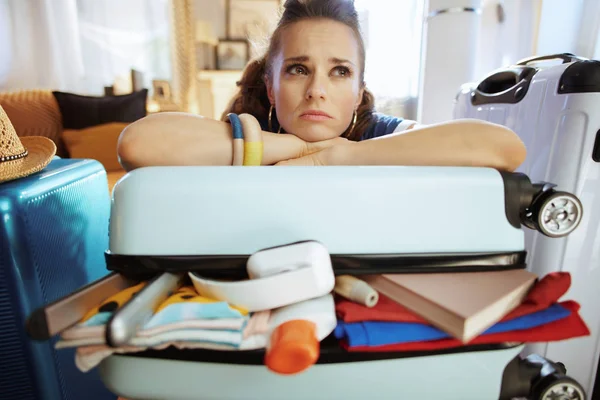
[[117, 36], [40, 45], [81, 46]]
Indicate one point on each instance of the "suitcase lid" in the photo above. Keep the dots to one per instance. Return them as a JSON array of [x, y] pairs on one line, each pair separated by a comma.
[[58, 173], [387, 217]]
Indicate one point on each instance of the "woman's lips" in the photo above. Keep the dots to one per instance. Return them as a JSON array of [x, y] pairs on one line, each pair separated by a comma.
[[314, 115]]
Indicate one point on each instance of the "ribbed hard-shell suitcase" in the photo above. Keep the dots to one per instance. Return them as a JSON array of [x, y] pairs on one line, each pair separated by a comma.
[[555, 110], [54, 231]]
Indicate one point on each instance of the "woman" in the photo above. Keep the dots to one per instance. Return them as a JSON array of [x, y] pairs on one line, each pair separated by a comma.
[[310, 85]]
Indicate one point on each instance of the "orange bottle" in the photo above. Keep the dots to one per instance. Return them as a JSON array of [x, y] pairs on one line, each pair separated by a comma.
[[293, 347]]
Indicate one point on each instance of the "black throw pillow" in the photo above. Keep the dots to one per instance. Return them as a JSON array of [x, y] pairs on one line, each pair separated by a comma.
[[79, 112]]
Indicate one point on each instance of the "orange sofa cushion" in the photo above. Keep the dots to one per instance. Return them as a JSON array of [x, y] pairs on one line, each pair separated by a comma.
[[113, 177], [97, 142]]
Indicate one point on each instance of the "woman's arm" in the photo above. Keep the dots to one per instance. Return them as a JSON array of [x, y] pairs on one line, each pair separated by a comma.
[[187, 139], [455, 143]]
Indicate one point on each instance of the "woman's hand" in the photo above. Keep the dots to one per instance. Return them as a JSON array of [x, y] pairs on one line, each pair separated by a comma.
[[317, 147], [311, 160], [318, 153]]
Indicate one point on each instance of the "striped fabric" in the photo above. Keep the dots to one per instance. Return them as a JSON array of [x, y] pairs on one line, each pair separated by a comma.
[[35, 113]]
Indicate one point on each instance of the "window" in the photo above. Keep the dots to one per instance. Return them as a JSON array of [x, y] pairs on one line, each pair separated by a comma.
[[117, 36], [392, 32]]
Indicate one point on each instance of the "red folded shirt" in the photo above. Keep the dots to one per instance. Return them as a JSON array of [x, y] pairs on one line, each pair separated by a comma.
[[566, 328], [542, 295]]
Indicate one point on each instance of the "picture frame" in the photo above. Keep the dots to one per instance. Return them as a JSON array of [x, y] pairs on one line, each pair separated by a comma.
[[232, 54], [250, 19], [161, 90]]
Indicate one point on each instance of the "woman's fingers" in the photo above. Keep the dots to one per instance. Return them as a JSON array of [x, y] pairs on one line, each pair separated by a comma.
[[313, 147], [310, 160]]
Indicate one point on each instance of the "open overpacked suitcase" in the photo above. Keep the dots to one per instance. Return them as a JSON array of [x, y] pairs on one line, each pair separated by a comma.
[[552, 103], [53, 232], [208, 222]]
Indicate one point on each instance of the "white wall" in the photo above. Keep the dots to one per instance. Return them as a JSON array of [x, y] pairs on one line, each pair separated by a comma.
[[448, 56], [212, 11], [559, 26], [573, 29], [465, 47], [506, 42]]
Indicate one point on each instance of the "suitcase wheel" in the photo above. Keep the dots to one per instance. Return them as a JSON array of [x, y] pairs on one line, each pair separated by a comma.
[[555, 214], [555, 387]]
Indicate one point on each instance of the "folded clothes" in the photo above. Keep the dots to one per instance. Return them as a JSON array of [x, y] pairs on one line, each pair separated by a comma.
[[378, 333], [189, 295], [234, 333], [114, 302], [544, 293], [183, 320], [258, 324], [562, 329], [98, 331], [320, 311], [89, 357], [183, 304], [230, 338], [183, 310]]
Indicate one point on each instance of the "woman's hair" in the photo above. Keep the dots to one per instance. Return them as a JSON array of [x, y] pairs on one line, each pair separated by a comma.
[[252, 95]]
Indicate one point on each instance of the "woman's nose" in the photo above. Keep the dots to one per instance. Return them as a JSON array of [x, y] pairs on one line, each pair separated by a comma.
[[316, 89]]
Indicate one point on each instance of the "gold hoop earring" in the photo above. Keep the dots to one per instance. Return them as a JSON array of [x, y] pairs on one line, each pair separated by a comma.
[[270, 124], [353, 123]]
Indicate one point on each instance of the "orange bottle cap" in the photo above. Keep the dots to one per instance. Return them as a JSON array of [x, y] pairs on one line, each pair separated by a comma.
[[294, 347]]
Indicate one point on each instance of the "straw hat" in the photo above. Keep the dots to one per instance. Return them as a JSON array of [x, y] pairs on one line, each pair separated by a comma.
[[20, 157]]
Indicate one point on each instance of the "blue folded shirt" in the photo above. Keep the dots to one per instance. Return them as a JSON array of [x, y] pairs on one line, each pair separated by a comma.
[[379, 333]]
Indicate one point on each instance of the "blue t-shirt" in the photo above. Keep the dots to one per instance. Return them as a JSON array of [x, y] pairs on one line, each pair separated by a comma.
[[381, 125]]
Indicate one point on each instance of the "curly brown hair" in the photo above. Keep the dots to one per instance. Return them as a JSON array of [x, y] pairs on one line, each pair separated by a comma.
[[252, 96]]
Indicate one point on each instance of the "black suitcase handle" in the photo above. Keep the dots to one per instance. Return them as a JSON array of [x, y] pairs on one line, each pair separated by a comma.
[[510, 85], [506, 86], [565, 57]]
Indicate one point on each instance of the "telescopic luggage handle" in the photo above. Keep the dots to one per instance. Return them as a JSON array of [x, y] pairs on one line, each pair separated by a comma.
[[565, 57]]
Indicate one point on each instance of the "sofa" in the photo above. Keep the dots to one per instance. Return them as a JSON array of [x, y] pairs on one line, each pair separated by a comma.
[[80, 126]]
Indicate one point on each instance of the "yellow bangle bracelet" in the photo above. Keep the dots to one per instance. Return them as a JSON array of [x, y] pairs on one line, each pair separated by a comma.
[[253, 153], [253, 144]]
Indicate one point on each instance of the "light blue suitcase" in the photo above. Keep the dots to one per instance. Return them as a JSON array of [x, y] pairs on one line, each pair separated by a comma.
[[372, 219], [54, 230]]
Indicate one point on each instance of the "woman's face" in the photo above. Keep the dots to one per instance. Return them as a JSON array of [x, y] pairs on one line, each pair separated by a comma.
[[315, 84]]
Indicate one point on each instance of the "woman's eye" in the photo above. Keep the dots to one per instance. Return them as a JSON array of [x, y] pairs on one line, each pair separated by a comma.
[[341, 71], [296, 70]]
